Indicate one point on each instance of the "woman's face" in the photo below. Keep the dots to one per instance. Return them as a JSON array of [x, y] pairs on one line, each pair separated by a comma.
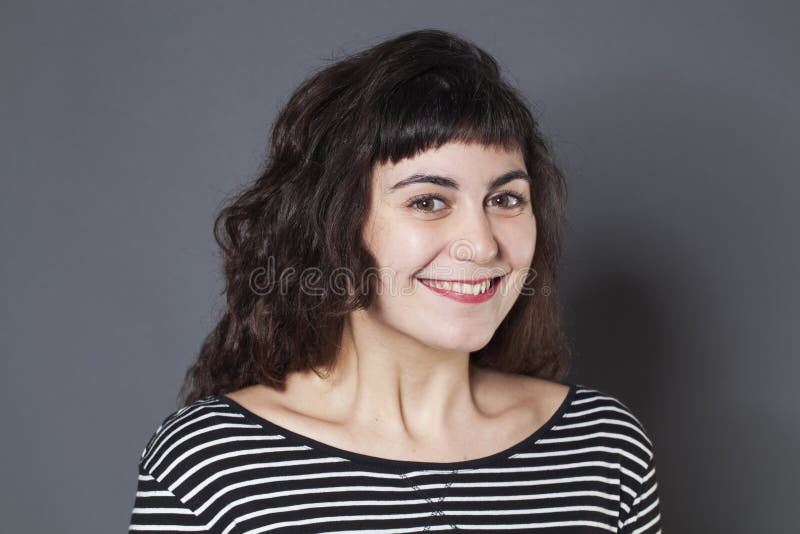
[[457, 213]]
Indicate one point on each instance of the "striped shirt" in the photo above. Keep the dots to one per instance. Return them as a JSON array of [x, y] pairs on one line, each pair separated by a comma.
[[215, 467]]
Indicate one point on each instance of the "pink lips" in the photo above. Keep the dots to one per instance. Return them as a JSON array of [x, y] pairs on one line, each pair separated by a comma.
[[469, 299]]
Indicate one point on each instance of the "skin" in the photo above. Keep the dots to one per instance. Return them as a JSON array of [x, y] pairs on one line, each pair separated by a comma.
[[403, 387]]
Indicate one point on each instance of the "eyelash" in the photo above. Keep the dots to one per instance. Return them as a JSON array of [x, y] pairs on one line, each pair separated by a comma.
[[521, 200]]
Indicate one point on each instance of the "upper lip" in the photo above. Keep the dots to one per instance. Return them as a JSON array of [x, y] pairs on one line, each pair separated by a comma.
[[473, 281]]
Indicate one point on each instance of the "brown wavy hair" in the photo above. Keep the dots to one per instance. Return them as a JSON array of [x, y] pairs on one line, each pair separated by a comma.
[[306, 209]]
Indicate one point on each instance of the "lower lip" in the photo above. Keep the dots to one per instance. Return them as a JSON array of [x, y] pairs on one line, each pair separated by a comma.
[[462, 297]]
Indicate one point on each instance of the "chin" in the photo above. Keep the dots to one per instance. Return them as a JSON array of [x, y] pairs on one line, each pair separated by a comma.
[[468, 342]]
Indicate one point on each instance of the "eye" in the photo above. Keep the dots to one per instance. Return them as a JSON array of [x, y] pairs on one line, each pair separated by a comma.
[[426, 201], [518, 202]]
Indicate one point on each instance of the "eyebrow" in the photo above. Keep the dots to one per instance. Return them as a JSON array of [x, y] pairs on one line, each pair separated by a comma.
[[445, 181]]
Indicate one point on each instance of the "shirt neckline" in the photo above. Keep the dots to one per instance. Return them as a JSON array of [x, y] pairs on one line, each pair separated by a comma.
[[405, 465]]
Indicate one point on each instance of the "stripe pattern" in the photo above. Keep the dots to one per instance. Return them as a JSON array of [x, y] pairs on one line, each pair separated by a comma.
[[214, 467]]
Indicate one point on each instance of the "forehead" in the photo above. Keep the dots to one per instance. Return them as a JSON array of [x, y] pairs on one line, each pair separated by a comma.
[[462, 161]]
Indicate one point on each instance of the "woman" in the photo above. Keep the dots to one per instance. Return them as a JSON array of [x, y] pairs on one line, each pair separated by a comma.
[[391, 357]]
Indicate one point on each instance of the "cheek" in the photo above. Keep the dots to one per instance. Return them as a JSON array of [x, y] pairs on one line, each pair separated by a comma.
[[406, 247], [519, 243], [401, 245]]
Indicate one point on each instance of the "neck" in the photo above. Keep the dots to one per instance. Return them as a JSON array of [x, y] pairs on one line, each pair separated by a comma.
[[394, 385]]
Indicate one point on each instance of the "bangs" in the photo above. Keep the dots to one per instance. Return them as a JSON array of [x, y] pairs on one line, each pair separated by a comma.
[[443, 105]]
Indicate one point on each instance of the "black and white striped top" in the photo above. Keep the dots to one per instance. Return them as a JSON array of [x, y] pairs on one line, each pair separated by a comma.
[[215, 467]]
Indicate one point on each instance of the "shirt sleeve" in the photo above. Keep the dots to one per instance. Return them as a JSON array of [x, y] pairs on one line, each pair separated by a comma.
[[644, 516], [157, 509]]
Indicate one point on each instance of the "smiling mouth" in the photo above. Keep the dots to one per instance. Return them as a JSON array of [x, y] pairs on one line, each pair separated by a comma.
[[463, 287]]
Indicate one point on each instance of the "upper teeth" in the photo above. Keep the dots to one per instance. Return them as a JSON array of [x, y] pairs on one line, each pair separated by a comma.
[[469, 289]]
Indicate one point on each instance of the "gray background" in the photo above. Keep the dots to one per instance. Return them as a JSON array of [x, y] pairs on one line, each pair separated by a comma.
[[124, 124]]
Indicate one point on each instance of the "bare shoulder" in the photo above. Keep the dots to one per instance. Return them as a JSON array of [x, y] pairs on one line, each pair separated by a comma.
[[287, 408], [257, 398], [510, 391]]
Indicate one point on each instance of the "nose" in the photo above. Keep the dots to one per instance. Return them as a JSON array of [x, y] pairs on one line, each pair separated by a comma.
[[475, 240]]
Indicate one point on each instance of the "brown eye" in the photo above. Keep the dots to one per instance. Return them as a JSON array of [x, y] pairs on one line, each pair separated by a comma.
[[517, 201], [426, 204]]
